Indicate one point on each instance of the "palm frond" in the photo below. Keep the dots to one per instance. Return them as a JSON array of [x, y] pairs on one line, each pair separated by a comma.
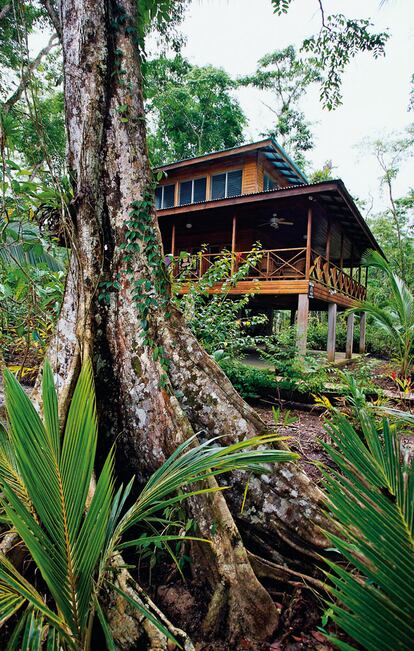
[[192, 463], [397, 317], [44, 481], [371, 497], [56, 472], [22, 245]]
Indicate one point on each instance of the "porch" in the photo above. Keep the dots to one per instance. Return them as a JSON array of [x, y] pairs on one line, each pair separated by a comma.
[[292, 270], [311, 239]]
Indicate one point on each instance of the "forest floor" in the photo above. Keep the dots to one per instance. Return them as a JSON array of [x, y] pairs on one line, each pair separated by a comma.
[[305, 430], [177, 595]]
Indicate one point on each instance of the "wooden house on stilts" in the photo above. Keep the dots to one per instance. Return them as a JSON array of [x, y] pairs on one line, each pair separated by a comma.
[[312, 234]]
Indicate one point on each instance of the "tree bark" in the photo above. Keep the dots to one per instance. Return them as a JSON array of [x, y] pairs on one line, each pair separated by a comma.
[[155, 384]]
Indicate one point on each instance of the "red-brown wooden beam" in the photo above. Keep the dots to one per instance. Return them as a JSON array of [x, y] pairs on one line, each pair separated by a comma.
[[308, 243], [233, 242]]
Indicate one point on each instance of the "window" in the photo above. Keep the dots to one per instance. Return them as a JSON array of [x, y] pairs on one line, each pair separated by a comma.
[[268, 183], [164, 196], [193, 191], [228, 184]]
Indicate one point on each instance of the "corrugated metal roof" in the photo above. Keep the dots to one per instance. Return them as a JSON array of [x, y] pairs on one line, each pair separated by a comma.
[[274, 152]]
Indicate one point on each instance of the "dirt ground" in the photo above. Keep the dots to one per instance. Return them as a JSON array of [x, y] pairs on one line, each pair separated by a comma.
[[304, 435]]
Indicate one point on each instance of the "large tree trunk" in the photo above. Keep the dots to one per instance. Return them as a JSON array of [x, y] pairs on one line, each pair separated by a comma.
[[155, 384]]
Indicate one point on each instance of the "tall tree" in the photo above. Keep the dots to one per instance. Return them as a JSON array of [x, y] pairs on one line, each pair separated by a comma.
[[288, 78], [190, 109], [395, 224], [155, 384]]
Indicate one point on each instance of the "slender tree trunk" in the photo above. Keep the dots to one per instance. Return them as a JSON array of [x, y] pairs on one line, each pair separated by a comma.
[[155, 384]]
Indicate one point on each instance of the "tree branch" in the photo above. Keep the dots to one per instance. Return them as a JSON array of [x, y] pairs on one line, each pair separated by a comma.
[[54, 16], [5, 11], [11, 101]]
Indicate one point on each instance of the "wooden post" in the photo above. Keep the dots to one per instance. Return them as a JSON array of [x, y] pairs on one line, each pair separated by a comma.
[[233, 243], [341, 258], [351, 268], [173, 241], [308, 243], [362, 332], [332, 310], [302, 328], [349, 336], [328, 241], [208, 187]]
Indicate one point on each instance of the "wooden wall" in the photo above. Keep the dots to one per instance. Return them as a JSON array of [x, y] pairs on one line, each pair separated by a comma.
[[254, 166]]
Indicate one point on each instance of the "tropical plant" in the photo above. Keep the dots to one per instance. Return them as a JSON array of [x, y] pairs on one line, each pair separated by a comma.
[[396, 318], [21, 244], [224, 325], [75, 544], [371, 499]]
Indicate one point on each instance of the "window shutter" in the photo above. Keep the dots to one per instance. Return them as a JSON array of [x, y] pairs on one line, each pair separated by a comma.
[[185, 192], [158, 197], [234, 183], [218, 186], [200, 189], [168, 196]]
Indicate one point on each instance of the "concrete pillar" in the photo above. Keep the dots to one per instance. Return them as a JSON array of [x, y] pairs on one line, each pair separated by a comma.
[[332, 310], [362, 332], [302, 328], [349, 336]]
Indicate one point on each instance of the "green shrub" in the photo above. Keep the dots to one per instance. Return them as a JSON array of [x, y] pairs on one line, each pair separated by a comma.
[[250, 382], [222, 324]]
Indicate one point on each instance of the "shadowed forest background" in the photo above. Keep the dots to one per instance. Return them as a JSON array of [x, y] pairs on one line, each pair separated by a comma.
[[173, 472]]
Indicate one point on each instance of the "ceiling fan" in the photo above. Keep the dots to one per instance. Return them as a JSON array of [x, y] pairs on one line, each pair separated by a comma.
[[275, 222]]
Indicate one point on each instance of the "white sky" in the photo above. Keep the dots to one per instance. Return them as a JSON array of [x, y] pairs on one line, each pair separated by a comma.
[[234, 34]]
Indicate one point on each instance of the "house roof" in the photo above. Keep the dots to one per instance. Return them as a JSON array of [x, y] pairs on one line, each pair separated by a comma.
[[331, 195], [274, 153]]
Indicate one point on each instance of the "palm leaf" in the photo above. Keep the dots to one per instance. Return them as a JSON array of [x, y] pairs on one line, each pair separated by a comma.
[[397, 317], [64, 544], [371, 498], [23, 246], [45, 479]]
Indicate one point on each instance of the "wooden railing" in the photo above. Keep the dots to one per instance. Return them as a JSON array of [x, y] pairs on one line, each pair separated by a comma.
[[271, 265], [263, 265], [274, 264], [328, 274]]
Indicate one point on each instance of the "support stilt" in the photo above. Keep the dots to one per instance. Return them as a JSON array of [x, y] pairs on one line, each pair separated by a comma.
[[332, 311], [303, 315], [362, 332], [349, 336]]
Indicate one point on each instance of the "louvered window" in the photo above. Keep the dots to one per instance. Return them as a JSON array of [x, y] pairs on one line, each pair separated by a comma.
[[228, 184], [234, 183], [218, 186], [164, 196], [199, 189], [268, 183], [193, 191]]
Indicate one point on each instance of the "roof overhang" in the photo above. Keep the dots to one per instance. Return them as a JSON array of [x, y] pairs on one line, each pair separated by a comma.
[[332, 196], [272, 151]]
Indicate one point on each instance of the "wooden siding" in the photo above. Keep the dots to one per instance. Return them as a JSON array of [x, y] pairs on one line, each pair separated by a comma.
[[280, 288], [250, 176]]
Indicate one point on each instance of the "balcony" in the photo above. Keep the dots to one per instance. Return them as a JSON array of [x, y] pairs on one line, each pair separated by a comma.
[[272, 271]]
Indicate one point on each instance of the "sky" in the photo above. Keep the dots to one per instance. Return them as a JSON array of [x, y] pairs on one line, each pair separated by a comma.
[[234, 34]]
